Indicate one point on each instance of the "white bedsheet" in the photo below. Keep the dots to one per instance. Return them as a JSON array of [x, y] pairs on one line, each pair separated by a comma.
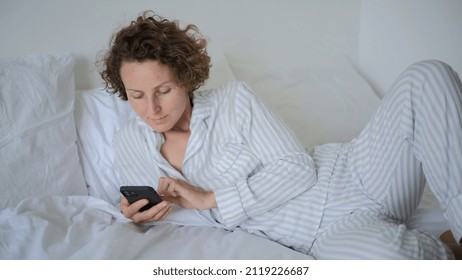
[[83, 227]]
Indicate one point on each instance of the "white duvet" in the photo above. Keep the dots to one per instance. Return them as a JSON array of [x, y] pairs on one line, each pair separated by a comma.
[[83, 227]]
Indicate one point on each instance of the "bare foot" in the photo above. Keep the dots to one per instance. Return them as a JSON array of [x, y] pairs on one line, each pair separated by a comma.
[[449, 240]]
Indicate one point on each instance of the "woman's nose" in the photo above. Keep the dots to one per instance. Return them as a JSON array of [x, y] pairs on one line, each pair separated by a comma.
[[154, 106]]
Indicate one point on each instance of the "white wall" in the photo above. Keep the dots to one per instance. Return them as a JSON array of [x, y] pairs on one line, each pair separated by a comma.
[[244, 29], [395, 33], [380, 37]]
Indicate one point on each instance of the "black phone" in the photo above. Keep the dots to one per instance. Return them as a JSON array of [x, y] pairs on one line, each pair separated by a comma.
[[135, 193]]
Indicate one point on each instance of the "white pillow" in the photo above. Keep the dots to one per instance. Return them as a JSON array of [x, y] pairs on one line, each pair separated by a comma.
[[99, 115], [321, 97], [38, 152]]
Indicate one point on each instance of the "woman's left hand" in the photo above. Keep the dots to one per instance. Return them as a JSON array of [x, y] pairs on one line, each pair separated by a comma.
[[185, 195]]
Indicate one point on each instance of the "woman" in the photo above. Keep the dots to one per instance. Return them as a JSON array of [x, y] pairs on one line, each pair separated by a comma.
[[224, 154]]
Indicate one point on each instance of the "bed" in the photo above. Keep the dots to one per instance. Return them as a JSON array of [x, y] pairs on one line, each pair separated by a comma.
[[60, 193]]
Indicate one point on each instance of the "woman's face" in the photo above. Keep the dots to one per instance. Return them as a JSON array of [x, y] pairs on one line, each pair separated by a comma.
[[155, 96]]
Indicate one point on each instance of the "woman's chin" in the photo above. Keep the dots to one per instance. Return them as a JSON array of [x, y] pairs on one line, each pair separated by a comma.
[[161, 128]]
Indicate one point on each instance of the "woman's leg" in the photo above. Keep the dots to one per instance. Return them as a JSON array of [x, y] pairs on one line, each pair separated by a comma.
[[366, 235], [415, 133]]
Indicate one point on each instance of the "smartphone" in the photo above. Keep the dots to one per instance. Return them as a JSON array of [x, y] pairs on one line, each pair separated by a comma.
[[135, 193]]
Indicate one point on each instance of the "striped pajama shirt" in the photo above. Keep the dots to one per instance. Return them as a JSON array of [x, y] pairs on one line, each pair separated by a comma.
[[343, 201]]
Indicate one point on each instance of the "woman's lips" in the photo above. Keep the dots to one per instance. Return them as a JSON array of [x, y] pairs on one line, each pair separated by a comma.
[[158, 119]]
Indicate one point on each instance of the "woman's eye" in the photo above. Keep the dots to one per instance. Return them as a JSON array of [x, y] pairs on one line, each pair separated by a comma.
[[163, 91]]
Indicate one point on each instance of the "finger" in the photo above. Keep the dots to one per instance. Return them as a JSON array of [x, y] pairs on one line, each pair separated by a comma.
[[162, 185], [162, 214], [132, 209], [152, 213], [168, 186], [169, 210], [123, 201]]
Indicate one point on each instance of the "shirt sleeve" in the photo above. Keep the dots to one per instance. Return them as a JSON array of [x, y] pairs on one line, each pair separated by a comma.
[[286, 169]]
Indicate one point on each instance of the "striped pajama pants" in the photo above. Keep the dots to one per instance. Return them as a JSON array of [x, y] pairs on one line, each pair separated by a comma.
[[413, 138]]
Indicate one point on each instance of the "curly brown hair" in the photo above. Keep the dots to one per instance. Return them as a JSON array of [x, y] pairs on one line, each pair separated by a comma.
[[151, 37]]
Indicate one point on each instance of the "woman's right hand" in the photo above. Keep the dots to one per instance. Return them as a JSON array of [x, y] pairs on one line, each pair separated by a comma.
[[156, 213]]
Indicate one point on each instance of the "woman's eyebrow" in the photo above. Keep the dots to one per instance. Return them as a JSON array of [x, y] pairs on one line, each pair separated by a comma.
[[135, 90], [154, 89]]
